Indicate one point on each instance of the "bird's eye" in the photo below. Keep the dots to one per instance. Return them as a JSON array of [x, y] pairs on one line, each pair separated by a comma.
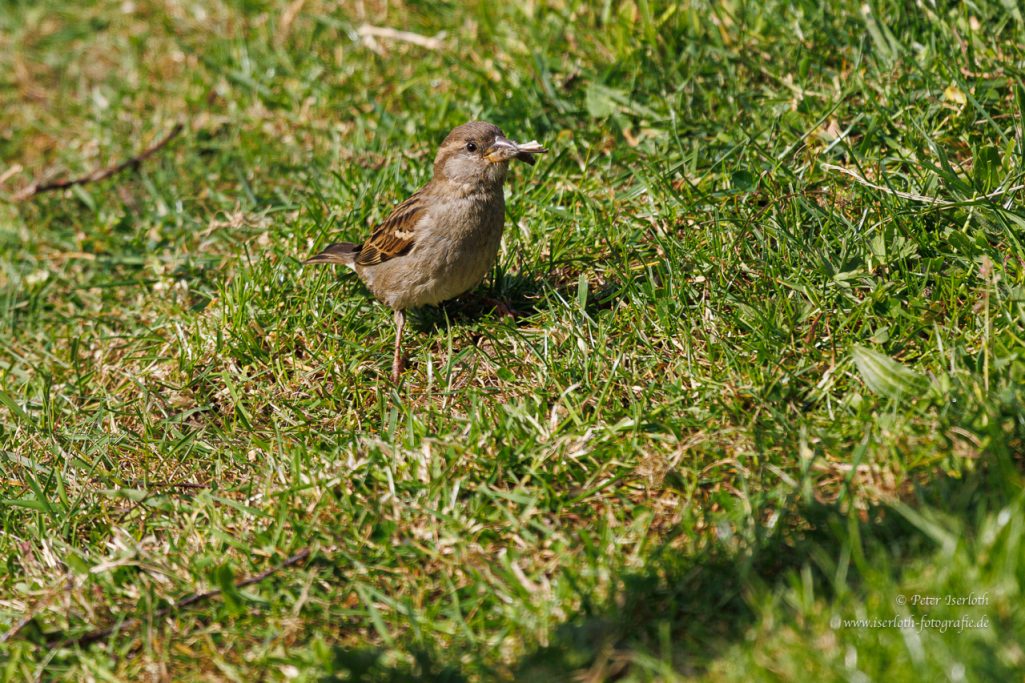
[[471, 147]]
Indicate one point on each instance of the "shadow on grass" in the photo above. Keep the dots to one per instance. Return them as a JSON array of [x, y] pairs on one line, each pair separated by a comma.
[[685, 610], [524, 296], [366, 665]]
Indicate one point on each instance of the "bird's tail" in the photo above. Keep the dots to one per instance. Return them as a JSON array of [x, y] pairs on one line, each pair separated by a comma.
[[342, 253]]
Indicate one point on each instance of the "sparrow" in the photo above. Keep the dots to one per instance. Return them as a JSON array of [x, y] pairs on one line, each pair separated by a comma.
[[441, 241]]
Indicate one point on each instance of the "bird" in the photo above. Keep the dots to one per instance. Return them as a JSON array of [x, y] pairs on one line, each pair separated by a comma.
[[443, 239]]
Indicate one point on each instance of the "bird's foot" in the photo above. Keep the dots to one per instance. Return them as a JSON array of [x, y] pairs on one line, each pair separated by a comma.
[[503, 308]]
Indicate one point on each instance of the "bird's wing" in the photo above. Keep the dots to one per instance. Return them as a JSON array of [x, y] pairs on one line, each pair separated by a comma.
[[396, 235]]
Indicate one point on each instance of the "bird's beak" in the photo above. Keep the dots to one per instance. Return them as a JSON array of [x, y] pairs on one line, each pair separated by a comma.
[[503, 150]]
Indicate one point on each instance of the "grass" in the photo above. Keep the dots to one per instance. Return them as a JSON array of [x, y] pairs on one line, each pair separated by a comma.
[[751, 399]]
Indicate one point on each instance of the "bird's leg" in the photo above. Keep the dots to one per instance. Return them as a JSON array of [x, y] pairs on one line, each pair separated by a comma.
[[397, 364]]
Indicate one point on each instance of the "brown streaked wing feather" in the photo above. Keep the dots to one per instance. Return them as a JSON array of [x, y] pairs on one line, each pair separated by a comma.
[[395, 235]]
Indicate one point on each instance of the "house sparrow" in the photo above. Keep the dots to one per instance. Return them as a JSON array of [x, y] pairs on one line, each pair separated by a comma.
[[441, 241]]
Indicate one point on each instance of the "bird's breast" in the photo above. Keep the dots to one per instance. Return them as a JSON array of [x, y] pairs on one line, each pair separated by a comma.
[[464, 239], [456, 244]]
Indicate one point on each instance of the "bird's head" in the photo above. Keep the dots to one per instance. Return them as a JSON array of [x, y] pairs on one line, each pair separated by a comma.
[[477, 153]]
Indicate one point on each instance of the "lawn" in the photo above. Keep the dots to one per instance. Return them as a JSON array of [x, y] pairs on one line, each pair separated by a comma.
[[761, 416]]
